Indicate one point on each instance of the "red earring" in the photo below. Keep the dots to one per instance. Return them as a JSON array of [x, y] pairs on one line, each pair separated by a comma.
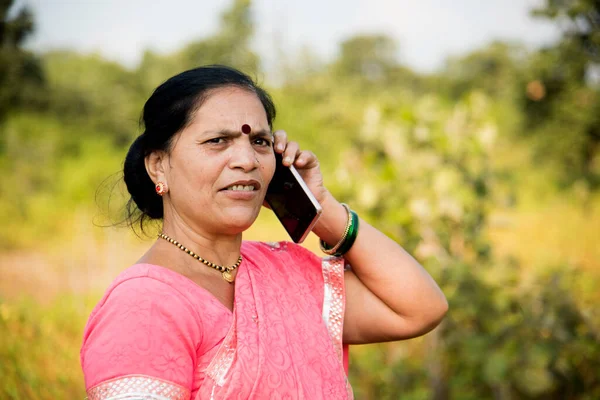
[[161, 188]]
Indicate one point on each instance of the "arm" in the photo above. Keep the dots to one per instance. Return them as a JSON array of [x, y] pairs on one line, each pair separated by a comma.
[[389, 295]]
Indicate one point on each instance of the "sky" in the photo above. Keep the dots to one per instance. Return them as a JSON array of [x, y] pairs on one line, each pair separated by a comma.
[[427, 31]]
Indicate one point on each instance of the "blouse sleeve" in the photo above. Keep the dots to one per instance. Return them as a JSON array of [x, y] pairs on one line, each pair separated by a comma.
[[141, 343]]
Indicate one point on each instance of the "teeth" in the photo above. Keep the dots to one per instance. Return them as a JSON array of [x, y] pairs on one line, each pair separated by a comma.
[[248, 188]]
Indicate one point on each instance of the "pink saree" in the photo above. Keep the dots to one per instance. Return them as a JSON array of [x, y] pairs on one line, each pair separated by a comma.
[[157, 335]]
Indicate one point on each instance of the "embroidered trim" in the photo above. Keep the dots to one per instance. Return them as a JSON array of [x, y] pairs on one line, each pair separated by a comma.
[[138, 387], [334, 300], [222, 361], [276, 246], [334, 305]]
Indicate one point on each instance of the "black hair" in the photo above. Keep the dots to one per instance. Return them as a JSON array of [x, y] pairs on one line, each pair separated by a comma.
[[170, 109]]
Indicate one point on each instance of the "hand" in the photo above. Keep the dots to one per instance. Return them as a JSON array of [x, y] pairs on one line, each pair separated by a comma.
[[304, 161]]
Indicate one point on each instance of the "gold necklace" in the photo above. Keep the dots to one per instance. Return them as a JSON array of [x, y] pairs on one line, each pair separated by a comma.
[[225, 271]]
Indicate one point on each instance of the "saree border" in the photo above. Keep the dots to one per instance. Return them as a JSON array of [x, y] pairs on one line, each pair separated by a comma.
[[334, 300], [222, 361], [334, 306], [138, 387]]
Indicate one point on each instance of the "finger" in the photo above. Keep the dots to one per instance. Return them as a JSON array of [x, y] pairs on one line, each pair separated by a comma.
[[280, 141], [292, 150], [306, 159]]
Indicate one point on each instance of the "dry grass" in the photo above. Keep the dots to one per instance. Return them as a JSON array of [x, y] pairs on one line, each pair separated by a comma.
[[560, 232]]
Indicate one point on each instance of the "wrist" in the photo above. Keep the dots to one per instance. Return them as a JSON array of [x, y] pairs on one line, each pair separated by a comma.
[[332, 223]]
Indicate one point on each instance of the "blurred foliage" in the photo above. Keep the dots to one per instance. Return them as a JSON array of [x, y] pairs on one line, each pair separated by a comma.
[[562, 97], [486, 171], [36, 348], [503, 338], [20, 72], [229, 46]]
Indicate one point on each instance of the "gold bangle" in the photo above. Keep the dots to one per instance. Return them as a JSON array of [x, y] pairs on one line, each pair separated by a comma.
[[335, 248]]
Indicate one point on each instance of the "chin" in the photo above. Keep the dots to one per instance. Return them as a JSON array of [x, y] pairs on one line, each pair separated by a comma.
[[239, 222]]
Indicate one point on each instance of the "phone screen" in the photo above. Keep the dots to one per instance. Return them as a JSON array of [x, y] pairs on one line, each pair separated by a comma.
[[292, 201]]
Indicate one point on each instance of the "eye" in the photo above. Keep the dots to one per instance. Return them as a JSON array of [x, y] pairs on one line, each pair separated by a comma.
[[217, 140], [262, 142]]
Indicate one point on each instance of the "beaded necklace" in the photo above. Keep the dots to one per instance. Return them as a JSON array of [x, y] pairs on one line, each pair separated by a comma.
[[225, 271]]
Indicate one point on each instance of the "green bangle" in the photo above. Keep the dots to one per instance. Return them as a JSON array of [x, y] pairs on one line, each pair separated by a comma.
[[351, 237], [347, 240], [333, 250]]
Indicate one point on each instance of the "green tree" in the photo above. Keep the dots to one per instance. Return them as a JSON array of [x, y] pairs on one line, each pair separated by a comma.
[[20, 73], [369, 56], [494, 69], [100, 96], [562, 99], [230, 45], [580, 22], [369, 64]]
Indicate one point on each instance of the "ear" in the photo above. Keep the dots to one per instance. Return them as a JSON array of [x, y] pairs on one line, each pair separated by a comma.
[[155, 166]]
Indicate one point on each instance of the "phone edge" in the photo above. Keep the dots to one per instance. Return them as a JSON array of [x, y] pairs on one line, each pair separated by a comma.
[[313, 200]]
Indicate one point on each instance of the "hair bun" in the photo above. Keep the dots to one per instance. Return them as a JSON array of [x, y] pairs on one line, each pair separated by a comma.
[[138, 182]]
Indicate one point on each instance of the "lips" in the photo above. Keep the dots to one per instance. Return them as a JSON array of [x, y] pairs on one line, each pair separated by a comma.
[[243, 185]]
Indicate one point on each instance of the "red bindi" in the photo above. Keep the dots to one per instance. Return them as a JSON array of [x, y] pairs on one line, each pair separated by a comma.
[[246, 129]]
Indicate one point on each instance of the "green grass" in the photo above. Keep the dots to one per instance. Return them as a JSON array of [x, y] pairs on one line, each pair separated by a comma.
[[39, 348]]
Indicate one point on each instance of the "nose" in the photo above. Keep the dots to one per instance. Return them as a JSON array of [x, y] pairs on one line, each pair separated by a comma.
[[243, 156]]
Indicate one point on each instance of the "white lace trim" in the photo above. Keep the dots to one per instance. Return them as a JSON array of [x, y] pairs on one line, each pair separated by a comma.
[[138, 387]]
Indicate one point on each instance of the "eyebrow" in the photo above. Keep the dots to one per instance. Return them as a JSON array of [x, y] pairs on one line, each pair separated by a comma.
[[254, 133]]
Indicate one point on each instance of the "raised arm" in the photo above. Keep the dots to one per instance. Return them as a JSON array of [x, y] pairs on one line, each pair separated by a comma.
[[389, 295]]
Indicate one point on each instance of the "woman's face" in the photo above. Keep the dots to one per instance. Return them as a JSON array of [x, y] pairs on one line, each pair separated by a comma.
[[218, 175]]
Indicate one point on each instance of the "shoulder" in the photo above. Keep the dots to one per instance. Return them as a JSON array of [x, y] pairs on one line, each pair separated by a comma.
[[292, 255], [145, 316], [147, 283], [278, 249], [144, 295]]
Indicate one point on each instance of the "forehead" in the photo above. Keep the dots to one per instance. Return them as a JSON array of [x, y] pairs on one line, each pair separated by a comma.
[[231, 107]]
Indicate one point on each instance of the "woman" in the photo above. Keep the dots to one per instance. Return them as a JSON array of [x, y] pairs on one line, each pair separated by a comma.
[[204, 314]]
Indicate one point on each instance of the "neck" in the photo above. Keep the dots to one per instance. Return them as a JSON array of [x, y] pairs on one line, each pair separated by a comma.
[[221, 249]]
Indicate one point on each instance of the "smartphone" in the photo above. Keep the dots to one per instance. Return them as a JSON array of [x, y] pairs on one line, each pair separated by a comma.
[[292, 201]]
